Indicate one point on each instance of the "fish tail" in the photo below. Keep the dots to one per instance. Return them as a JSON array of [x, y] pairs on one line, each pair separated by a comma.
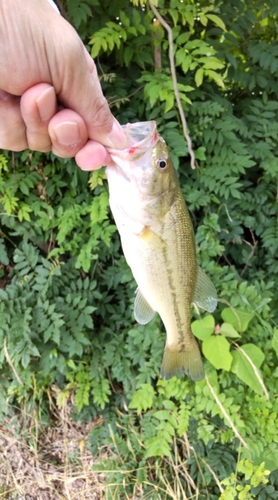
[[189, 361]]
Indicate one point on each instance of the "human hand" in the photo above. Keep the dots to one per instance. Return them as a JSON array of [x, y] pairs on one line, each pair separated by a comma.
[[45, 66]]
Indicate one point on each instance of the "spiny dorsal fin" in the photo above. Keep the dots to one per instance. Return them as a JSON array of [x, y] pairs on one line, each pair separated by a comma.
[[143, 312], [205, 295]]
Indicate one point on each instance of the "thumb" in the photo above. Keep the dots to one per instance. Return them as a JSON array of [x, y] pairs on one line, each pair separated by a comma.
[[75, 75]]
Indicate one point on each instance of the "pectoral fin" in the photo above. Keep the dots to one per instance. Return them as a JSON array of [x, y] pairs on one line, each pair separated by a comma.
[[143, 312], [205, 295]]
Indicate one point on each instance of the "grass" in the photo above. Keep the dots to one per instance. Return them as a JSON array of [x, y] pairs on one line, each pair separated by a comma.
[[53, 462]]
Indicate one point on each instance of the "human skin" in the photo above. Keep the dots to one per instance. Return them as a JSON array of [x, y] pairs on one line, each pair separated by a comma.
[[50, 94]]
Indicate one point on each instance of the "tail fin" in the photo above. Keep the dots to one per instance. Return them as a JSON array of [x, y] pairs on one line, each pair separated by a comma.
[[187, 361]]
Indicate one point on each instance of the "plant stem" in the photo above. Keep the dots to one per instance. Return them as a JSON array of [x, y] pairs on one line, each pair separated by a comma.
[[175, 82]]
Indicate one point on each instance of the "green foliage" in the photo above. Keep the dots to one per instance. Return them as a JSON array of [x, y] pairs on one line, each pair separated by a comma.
[[66, 292], [252, 475]]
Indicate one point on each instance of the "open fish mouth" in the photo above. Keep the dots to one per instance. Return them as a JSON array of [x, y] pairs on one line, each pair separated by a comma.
[[141, 138], [140, 133]]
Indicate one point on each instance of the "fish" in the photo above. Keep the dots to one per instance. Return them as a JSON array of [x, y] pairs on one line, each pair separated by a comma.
[[158, 243]]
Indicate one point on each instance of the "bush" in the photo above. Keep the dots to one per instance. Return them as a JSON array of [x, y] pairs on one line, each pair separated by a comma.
[[66, 292]]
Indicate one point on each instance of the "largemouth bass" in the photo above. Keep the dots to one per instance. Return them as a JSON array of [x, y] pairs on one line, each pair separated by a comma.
[[158, 243]]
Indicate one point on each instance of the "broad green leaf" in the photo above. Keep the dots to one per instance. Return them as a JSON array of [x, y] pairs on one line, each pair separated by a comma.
[[162, 415], [175, 16], [128, 54], [228, 331], [215, 77], [217, 350], [203, 19], [246, 362], [238, 318], [96, 48], [200, 153], [269, 457], [169, 102], [185, 88], [124, 19], [203, 328], [255, 354], [216, 20], [213, 63], [274, 343], [186, 63], [199, 75]]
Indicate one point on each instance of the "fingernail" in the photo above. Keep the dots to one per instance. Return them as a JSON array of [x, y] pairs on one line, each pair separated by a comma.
[[67, 133], [46, 104], [117, 138]]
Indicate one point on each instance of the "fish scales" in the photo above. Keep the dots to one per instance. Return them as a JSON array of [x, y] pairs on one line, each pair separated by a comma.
[[158, 242]]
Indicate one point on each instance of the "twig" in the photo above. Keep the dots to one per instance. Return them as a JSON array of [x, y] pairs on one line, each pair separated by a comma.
[[9, 361], [214, 475], [253, 249], [226, 414], [175, 82]]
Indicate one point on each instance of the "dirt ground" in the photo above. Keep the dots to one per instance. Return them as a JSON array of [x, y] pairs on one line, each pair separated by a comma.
[[53, 464]]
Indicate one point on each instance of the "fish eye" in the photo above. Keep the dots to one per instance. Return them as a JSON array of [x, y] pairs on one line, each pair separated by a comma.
[[161, 163]]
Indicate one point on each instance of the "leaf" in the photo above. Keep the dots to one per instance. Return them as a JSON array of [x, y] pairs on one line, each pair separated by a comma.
[[128, 54], [270, 458], [203, 19], [212, 63], [246, 361], [228, 331], [3, 164], [215, 77], [203, 328], [96, 48], [23, 212], [142, 398], [157, 447], [238, 318], [124, 19], [274, 343], [199, 75], [24, 187], [216, 20], [217, 350], [169, 102], [255, 354], [4, 259]]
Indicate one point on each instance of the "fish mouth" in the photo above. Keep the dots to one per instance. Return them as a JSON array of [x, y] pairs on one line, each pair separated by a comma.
[[139, 133], [141, 137]]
